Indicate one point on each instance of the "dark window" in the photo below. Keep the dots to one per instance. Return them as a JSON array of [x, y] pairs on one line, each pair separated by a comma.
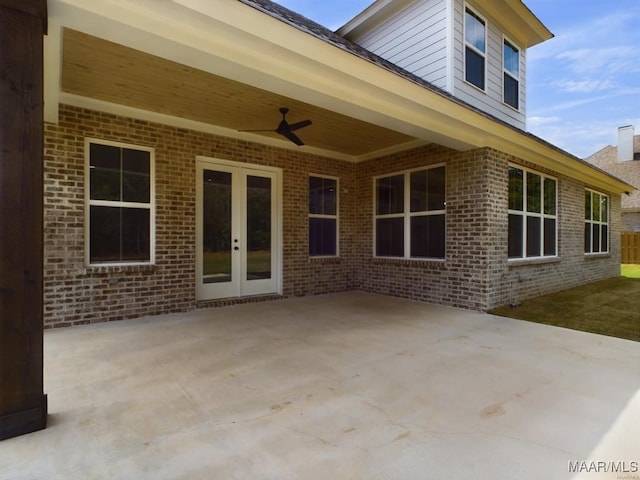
[[596, 227], [511, 91], [120, 204], [475, 49], [532, 214], [511, 76], [422, 223], [323, 216]]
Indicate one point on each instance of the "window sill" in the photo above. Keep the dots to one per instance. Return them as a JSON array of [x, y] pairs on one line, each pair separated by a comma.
[[114, 268], [409, 261], [328, 259], [593, 256], [511, 107], [517, 262]]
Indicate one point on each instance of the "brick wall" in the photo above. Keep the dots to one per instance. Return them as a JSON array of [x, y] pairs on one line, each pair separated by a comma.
[[76, 294], [513, 282], [475, 275]]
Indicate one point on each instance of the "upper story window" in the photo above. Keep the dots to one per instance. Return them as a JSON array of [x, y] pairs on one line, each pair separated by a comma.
[[511, 74], [596, 222], [120, 203], [475, 38], [410, 214], [323, 216], [533, 221]]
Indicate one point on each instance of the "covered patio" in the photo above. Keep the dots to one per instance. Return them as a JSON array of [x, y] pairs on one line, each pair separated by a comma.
[[350, 385]]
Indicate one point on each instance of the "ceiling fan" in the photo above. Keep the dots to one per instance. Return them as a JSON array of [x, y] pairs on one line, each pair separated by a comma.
[[286, 129]]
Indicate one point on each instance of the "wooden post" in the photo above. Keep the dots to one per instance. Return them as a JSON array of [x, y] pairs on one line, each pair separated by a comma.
[[23, 404]]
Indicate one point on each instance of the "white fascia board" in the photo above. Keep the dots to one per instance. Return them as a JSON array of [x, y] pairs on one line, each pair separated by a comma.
[[546, 156], [253, 48]]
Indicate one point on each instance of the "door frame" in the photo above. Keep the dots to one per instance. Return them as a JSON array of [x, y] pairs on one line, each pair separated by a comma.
[[203, 162]]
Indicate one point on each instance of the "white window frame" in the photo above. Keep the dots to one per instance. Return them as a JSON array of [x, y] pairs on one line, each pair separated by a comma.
[[335, 217], [600, 223], [407, 214], [524, 214], [110, 203], [473, 47], [506, 39]]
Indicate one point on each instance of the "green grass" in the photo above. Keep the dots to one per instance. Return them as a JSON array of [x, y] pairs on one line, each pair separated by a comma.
[[630, 270], [608, 307], [218, 262]]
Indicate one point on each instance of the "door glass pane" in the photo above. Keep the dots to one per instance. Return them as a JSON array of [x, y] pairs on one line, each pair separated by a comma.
[[258, 227], [216, 227]]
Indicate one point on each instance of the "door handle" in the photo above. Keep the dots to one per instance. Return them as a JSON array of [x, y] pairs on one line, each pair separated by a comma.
[[236, 248]]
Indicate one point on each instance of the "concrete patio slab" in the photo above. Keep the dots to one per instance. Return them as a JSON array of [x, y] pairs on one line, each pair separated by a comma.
[[349, 386]]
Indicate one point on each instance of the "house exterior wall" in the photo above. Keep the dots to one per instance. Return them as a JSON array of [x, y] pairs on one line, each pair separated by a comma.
[[76, 294], [424, 39], [490, 100], [414, 39], [475, 274], [514, 281]]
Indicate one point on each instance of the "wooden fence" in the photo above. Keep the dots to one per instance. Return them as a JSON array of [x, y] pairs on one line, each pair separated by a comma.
[[630, 247]]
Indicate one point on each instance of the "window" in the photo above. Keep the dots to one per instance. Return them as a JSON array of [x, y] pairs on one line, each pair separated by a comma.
[[323, 216], [120, 213], [533, 219], [410, 214], [596, 222], [511, 74], [475, 37]]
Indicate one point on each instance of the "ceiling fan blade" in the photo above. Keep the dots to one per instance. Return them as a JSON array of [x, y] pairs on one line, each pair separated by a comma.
[[296, 126], [293, 137]]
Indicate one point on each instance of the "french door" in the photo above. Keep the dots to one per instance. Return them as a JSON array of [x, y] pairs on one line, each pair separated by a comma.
[[238, 247]]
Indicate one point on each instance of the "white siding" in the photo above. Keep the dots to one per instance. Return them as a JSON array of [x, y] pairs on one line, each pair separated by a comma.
[[414, 39], [490, 100]]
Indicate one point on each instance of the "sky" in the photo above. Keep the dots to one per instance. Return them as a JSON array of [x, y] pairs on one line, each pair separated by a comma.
[[581, 85]]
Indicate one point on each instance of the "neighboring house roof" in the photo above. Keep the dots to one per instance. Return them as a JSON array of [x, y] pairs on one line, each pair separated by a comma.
[[629, 171], [265, 55]]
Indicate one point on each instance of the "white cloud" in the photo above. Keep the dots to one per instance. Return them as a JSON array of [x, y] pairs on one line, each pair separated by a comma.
[[583, 86], [539, 121], [610, 60], [614, 29]]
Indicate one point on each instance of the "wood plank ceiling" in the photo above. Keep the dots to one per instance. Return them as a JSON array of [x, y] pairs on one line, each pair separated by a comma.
[[103, 70]]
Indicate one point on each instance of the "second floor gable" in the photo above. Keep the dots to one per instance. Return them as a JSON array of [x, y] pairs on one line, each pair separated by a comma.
[[474, 50]]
